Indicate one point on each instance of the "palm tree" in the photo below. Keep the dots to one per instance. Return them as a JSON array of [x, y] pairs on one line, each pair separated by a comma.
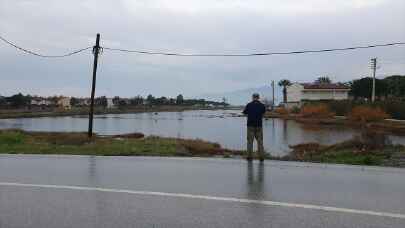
[[323, 80], [284, 83]]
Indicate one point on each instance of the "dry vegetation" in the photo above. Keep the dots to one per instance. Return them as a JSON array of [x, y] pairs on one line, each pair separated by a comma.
[[370, 148], [367, 114], [316, 111], [281, 111]]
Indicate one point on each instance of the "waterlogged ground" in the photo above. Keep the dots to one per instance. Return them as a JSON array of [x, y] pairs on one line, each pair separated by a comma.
[[224, 126]]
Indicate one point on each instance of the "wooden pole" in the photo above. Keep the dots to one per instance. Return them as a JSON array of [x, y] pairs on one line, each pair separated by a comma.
[[96, 51]]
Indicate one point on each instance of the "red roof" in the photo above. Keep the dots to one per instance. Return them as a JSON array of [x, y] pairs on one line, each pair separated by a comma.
[[324, 86]]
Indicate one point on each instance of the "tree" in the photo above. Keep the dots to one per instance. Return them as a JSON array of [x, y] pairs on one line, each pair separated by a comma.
[[122, 103], [161, 101], [3, 100], [74, 101], [323, 80], [172, 101], [19, 100], [150, 99], [54, 99], [138, 100], [284, 83], [179, 99], [224, 102], [395, 86], [116, 100], [362, 88], [102, 101]]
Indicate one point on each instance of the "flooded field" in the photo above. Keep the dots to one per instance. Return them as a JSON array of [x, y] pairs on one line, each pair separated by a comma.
[[223, 126]]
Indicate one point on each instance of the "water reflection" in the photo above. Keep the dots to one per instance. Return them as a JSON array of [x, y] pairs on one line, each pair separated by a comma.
[[93, 175], [255, 181], [101, 207]]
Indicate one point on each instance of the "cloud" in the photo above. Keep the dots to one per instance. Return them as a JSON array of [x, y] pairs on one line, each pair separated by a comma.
[[275, 6], [220, 26]]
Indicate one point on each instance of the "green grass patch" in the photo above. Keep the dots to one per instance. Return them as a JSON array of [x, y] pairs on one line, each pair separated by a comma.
[[12, 137], [19, 142], [348, 157], [352, 152]]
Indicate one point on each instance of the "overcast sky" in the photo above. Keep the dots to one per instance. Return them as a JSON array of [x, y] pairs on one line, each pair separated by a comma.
[[192, 26]]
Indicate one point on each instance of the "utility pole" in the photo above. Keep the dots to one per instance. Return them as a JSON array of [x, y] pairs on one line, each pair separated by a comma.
[[272, 86], [96, 51], [374, 68]]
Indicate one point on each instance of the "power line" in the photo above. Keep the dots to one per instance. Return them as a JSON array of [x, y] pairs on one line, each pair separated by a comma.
[[41, 55], [253, 54], [200, 55]]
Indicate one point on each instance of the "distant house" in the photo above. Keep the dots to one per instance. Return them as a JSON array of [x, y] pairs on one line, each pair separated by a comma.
[[110, 103], [298, 93], [84, 102], [145, 102], [64, 103], [39, 101]]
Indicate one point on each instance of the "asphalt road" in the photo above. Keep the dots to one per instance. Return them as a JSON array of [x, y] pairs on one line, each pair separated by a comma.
[[81, 191]]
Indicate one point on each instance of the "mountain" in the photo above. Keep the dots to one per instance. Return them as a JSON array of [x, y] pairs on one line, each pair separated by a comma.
[[241, 97]]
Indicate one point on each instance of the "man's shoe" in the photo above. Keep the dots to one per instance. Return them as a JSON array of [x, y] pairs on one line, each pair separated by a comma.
[[261, 159]]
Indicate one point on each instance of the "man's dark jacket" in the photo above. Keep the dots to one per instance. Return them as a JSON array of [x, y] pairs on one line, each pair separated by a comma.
[[254, 110]]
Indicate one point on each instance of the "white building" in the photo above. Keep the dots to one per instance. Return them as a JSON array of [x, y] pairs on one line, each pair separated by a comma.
[[110, 103], [64, 103], [38, 101], [297, 93]]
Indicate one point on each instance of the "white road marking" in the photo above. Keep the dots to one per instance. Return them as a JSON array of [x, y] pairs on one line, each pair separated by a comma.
[[205, 197]]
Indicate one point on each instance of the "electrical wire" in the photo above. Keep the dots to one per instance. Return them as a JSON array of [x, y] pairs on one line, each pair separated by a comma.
[[41, 55], [200, 55], [253, 54]]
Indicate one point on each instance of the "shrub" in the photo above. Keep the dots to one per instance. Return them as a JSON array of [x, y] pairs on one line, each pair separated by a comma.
[[295, 110], [199, 147], [374, 140], [396, 109], [316, 111], [367, 114], [281, 111], [341, 108]]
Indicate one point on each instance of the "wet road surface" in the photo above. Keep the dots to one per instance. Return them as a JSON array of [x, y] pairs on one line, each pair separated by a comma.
[[82, 191]]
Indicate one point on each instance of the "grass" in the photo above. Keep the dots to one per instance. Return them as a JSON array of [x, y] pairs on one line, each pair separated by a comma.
[[348, 157], [353, 152], [20, 142], [350, 152]]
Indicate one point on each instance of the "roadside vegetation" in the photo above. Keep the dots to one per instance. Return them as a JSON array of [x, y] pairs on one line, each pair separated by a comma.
[[21, 142], [368, 149]]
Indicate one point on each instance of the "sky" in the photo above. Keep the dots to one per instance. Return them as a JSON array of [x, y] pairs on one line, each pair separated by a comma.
[[193, 26]]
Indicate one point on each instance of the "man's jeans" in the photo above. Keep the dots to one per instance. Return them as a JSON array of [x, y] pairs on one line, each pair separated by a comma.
[[255, 133]]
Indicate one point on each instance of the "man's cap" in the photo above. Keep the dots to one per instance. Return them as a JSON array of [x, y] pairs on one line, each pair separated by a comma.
[[256, 95]]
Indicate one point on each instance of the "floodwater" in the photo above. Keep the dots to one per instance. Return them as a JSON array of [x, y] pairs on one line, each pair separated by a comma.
[[222, 126]]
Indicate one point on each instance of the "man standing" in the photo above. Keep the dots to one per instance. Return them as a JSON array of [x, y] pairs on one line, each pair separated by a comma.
[[254, 111]]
